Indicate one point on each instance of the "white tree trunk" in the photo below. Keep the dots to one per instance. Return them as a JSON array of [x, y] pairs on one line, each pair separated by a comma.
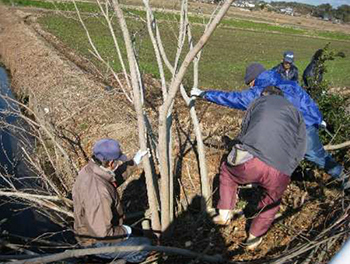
[[164, 111], [151, 191]]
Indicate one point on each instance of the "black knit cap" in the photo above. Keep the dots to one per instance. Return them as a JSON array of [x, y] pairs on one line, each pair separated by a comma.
[[252, 72]]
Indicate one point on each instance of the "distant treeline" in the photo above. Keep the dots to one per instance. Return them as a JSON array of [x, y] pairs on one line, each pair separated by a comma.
[[325, 11]]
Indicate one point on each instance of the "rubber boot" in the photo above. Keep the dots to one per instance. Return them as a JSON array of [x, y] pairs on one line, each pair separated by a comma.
[[223, 218], [253, 242]]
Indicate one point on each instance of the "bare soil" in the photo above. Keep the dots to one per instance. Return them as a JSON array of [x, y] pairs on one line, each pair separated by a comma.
[[66, 91]]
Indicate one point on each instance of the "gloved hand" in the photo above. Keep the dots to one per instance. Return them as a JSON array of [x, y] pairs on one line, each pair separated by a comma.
[[139, 155], [128, 230], [197, 92], [323, 124]]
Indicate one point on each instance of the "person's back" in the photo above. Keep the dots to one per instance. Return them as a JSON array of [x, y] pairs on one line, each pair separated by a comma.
[[92, 191], [313, 73], [270, 146], [98, 214], [274, 131], [294, 93]]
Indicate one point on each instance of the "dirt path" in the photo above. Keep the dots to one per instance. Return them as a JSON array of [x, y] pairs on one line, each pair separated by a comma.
[[65, 95]]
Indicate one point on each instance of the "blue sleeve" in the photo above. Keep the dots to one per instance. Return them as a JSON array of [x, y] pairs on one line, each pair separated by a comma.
[[238, 100]]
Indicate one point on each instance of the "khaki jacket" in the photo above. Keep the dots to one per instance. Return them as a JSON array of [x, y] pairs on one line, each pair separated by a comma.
[[97, 209]]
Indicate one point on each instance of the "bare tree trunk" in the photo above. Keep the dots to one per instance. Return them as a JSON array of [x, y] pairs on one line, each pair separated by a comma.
[[163, 113], [151, 191], [205, 185]]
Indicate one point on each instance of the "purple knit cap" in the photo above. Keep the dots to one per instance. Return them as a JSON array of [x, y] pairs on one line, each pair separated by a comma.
[[108, 149]]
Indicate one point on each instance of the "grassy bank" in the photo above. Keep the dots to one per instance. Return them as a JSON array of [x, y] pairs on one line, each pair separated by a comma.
[[234, 45]]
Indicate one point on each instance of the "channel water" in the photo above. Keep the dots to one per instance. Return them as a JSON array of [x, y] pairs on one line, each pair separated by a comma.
[[17, 218]]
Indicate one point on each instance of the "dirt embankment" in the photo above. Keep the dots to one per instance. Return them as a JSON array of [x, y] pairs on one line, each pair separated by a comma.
[[78, 107]]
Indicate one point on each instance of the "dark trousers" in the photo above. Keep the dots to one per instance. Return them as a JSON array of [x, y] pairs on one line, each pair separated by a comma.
[[254, 171]]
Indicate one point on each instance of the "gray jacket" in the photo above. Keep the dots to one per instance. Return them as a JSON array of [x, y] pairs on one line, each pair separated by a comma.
[[274, 131]]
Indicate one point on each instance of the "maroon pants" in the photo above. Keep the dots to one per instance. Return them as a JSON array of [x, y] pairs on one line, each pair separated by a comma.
[[254, 171]]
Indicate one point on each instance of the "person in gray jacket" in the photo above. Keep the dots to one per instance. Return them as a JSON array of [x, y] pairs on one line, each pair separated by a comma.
[[270, 146], [98, 214]]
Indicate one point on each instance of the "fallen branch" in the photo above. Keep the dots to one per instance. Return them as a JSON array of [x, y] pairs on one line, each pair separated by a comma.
[[338, 146], [41, 200], [93, 251]]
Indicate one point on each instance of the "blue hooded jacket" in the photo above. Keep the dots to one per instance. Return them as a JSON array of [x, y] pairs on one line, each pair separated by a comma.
[[292, 92]]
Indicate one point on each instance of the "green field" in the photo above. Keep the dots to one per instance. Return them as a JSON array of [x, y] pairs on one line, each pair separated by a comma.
[[234, 45]]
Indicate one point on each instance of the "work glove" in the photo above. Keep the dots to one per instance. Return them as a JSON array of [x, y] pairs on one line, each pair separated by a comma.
[[128, 230], [139, 155], [323, 124], [196, 92]]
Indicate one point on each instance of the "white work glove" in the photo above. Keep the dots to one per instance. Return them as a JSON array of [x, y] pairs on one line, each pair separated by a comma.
[[128, 230], [139, 155], [196, 92], [323, 124]]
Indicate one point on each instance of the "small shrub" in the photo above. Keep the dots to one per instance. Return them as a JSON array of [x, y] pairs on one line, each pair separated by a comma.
[[333, 106]]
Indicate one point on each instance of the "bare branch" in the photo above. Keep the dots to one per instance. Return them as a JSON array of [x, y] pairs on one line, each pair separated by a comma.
[[338, 146], [41, 200], [182, 34], [151, 26], [86, 31], [116, 45], [191, 55], [103, 250]]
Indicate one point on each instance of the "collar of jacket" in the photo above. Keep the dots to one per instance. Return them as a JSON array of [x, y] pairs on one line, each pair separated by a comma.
[[97, 170]]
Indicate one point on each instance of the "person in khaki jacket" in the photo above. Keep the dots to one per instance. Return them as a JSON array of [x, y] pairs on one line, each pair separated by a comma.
[[98, 214]]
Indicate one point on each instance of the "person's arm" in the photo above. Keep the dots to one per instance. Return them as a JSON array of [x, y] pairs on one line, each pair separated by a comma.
[[123, 171], [311, 108], [238, 100]]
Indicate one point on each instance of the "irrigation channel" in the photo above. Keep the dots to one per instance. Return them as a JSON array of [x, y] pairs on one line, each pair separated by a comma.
[[17, 219]]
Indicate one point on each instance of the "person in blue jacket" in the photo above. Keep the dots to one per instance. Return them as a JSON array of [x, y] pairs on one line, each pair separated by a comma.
[[258, 78]]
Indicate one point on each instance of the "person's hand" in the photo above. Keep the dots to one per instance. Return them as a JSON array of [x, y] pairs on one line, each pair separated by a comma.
[[128, 230], [196, 92], [323, 124], [139, 155]]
